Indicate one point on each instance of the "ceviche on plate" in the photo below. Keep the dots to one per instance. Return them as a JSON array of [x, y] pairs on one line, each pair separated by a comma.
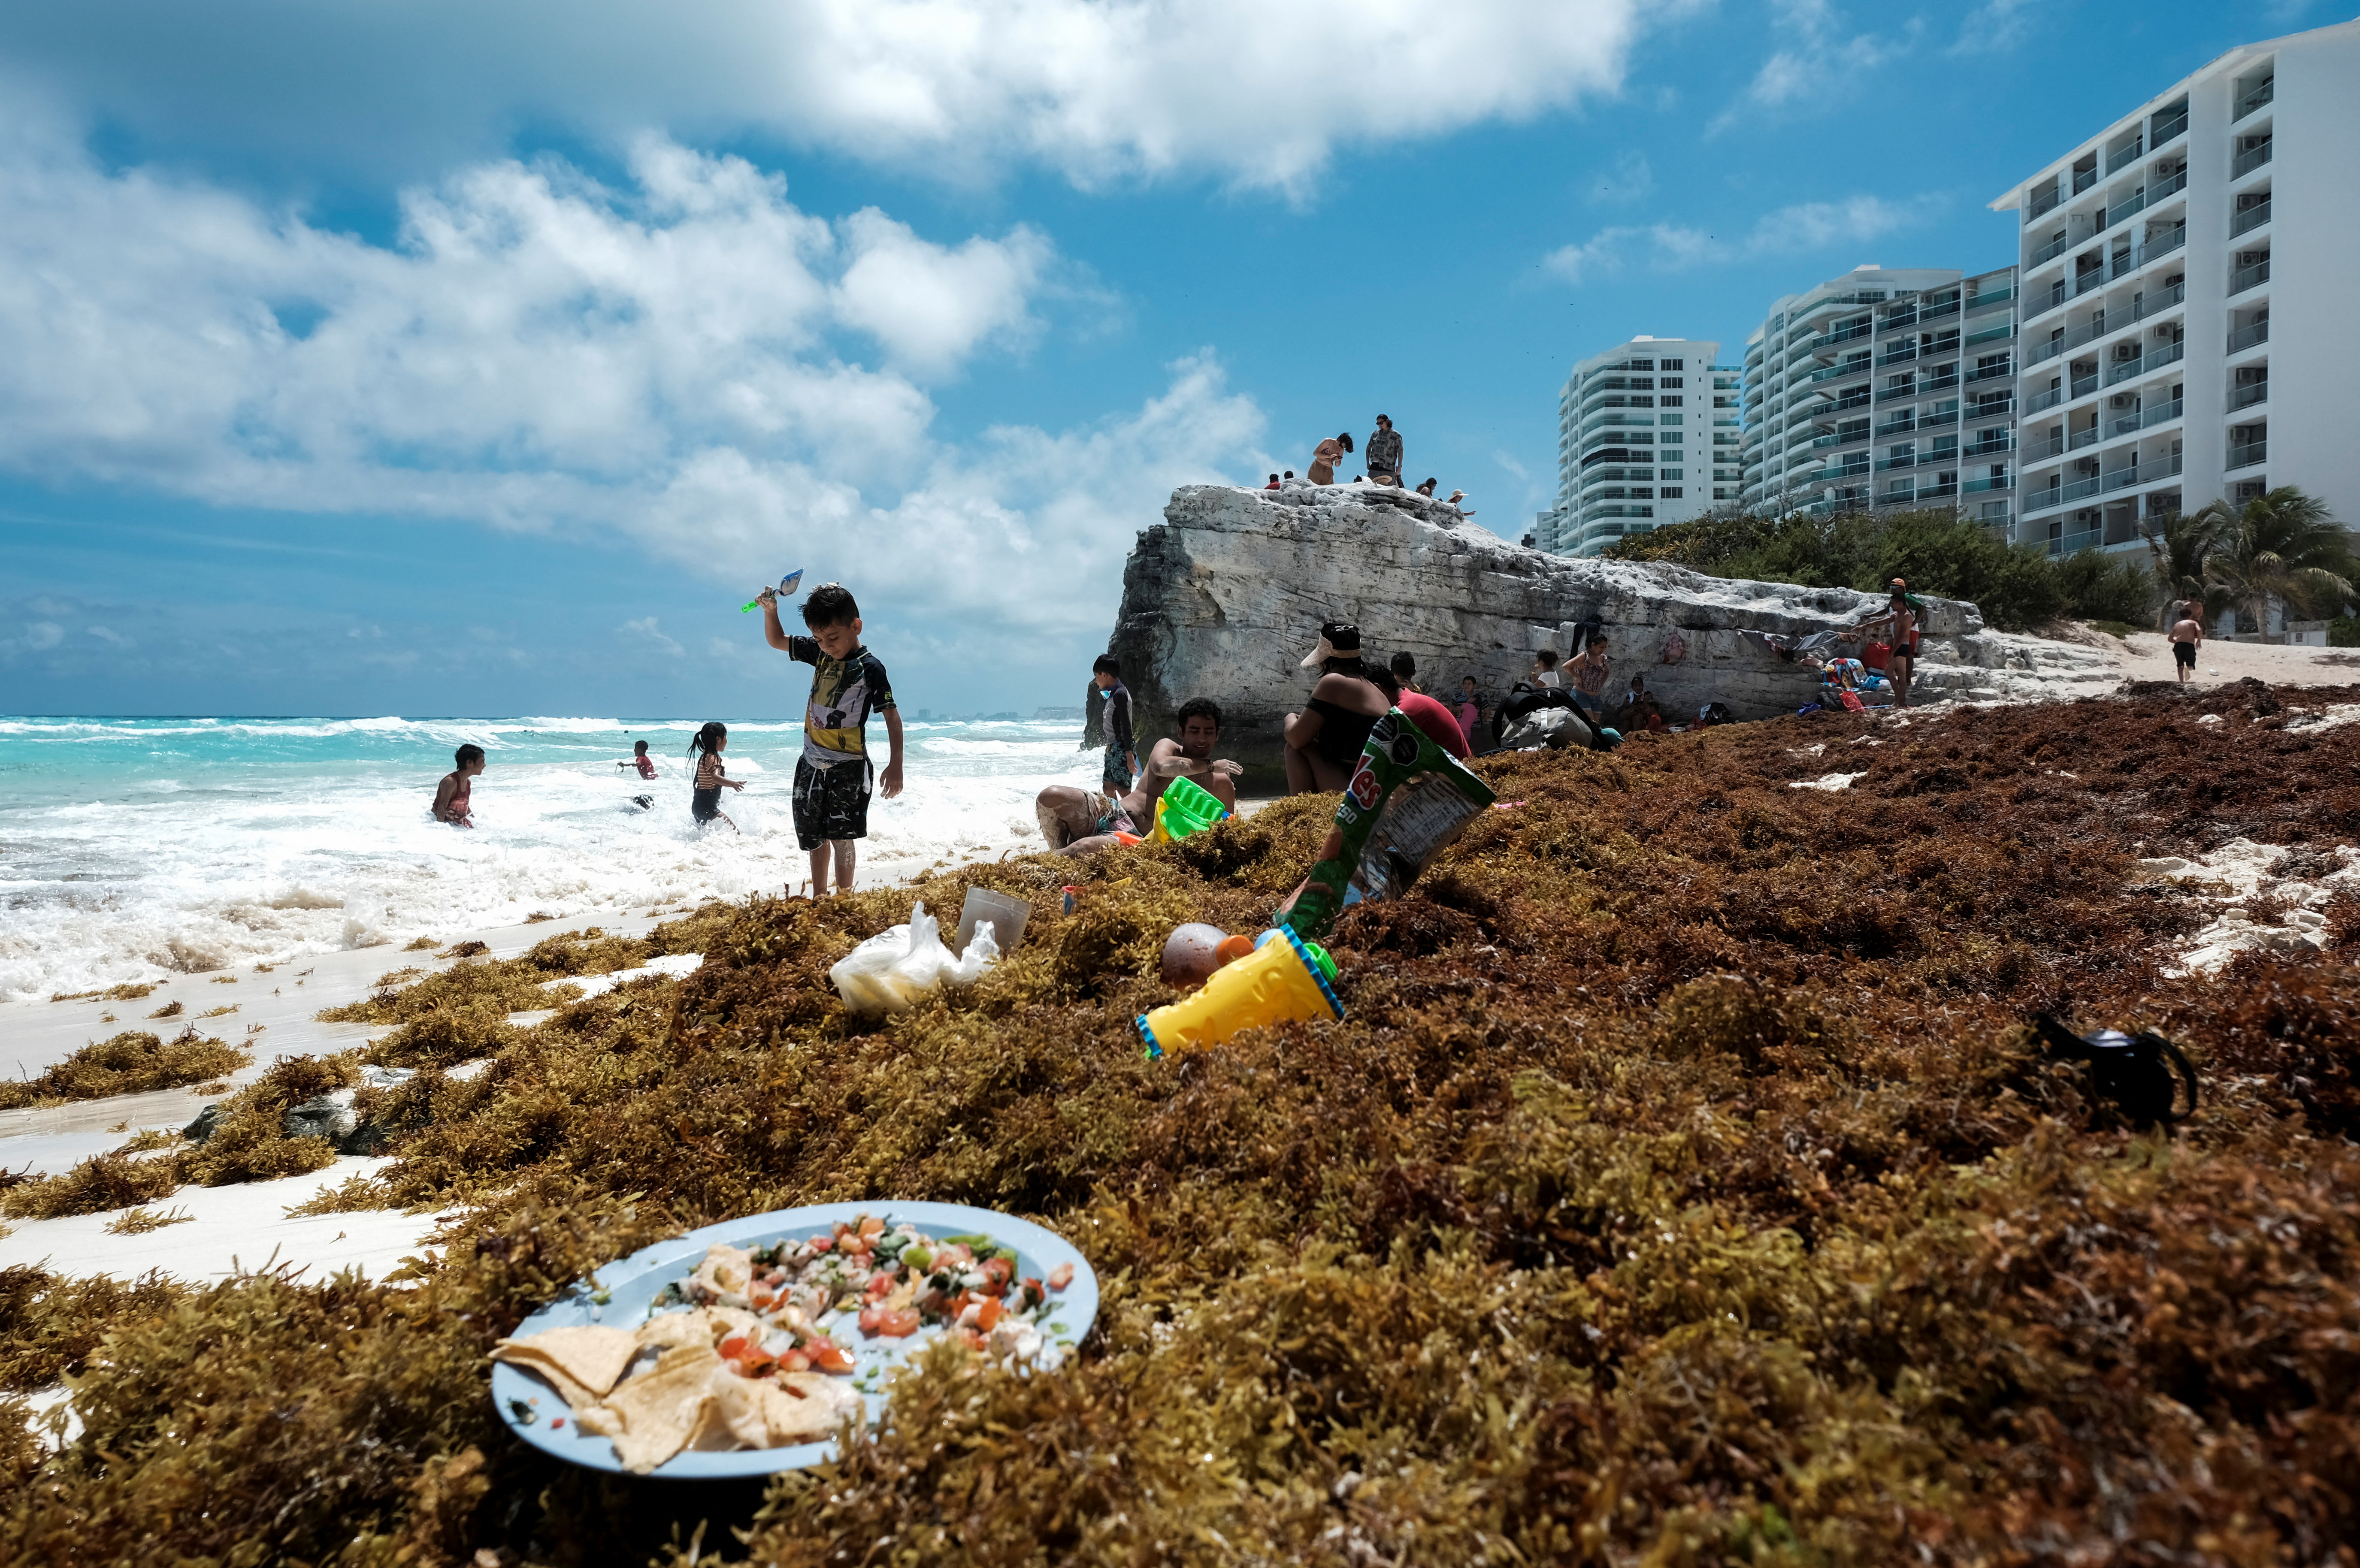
[[747, 1347]]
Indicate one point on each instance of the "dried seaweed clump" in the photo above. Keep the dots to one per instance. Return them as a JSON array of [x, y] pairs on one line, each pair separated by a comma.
[[1682, 1187], [50, 1326], [128, 1064]]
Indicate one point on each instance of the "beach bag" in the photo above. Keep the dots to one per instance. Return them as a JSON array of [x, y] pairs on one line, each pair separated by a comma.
[[894, 971], [1850, 700], [1676, 648], [2141, 1073], [1874, 654]]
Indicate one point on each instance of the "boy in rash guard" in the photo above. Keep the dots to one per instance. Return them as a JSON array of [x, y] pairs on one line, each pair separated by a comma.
[[1121, 763], [833, 776]]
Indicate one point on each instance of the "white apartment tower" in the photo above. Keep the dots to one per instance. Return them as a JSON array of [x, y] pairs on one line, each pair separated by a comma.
[[1647, 435], [1887, 387], [2152, 254]]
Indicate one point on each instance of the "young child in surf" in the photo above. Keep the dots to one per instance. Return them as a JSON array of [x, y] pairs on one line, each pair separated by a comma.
[[834, 777], [704, 799], [647, 767], [453, 797]]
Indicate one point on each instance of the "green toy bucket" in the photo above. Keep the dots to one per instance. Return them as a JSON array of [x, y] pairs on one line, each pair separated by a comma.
[[1185, 808]]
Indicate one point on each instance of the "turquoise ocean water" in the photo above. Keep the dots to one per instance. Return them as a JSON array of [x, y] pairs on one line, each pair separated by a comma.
[[135, 847]]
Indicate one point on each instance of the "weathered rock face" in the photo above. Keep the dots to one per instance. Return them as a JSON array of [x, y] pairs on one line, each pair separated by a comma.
[[1225, 595]]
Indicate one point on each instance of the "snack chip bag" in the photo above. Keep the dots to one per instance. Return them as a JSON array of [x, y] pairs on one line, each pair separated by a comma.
[[1407, 800]]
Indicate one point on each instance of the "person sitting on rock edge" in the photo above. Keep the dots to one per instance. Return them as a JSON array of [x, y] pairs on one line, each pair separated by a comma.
[[1426, 489], [1273, 483], [1323, 460], [1385, 454], [1083, 821]]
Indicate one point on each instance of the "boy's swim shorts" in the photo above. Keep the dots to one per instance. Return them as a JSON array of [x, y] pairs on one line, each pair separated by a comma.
[[831, 802]]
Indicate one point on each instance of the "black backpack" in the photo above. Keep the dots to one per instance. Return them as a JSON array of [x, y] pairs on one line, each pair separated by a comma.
[[2143, 1074]]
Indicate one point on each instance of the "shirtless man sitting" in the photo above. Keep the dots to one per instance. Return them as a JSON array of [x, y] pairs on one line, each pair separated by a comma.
[[1081, 821]]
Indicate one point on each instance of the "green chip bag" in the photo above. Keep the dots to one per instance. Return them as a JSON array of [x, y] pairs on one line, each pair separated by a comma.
[[1407, 798]]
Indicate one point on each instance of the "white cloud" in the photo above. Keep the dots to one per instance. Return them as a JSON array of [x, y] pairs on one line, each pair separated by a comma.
[[1096, 88], [1815, 57], [646, 629], [41, 635], [676, 360], [1996, 26], [110, 635], [1629, 178], [1814, 226], [1806, 226], [1663, 245]]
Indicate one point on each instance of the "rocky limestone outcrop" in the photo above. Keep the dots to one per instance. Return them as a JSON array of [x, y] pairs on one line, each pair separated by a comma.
[[1226, 595]]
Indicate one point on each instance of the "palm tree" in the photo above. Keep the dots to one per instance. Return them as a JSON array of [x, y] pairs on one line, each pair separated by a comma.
[[2286, 546], [2177, 550]]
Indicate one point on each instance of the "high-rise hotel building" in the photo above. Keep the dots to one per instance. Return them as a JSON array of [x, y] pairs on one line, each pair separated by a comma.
[[1887, 387], [1647, 435], [2154, 255]]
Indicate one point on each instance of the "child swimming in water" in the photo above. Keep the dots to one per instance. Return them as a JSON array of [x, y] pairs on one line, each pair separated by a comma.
[[452, 796], [704, 803], [647, 767]]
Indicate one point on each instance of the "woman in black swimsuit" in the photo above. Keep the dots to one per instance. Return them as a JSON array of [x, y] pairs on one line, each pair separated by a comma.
[[1324, 741]]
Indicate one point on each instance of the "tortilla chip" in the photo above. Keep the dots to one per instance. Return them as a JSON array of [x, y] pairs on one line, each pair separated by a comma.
[[698, 1326], [727, 1271], [582, 1362], [657, 1407], [824, 1402]]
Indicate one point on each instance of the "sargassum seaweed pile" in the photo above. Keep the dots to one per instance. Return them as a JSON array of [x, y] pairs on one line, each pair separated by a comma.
[[1681, 1188]]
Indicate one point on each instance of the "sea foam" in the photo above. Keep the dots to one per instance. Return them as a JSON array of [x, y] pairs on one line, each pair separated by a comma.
[[131, 849]]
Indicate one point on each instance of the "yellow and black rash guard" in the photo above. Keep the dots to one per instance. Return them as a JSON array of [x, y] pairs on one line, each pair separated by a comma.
[[843, 693]]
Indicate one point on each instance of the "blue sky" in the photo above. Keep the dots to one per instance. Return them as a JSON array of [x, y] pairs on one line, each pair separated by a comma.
[[443, 359]]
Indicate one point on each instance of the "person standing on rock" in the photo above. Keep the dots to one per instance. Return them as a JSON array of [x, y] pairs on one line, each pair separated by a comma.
[[1385, 454], [1899, 625], [1122, 751], [1324, 458], [1324, 741]]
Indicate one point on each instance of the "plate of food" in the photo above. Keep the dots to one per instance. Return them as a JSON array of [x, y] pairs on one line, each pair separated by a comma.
[[742, 1348]]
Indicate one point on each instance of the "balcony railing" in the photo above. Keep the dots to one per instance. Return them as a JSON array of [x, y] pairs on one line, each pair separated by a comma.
[[2148, 473], [2126, 262], [2254, 100], [2252, 277], [2250, 453], [2162, 414], [2164, 130], [2043, 201], [2252, 218], [2109, 217], [2119, 161], [2052, 250], [1909, 462], [1984, 448], [2073, 543], [2247, 396], [2246, 162], [1937, 311], [1989, 334], [1999, 481], [1900, 424], [1990, 299], [1948, 415], [1841, 334], [1989, 372], [2247, 337], [2155, 359], [1901, 356], [2085, 177], [1849, 369]]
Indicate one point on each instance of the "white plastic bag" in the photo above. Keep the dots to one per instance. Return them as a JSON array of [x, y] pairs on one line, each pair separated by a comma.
[[896, 971]]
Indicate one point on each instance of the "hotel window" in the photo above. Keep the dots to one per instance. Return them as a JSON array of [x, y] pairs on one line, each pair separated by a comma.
[[1669, 493], [1672, 403], [1671, 419]]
